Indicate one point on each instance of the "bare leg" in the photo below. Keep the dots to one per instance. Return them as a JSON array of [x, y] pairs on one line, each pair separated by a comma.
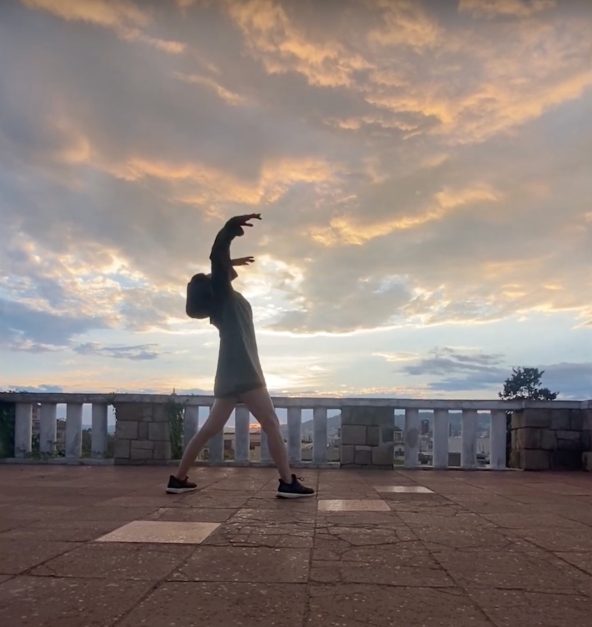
[[261, 406], [221, 410]]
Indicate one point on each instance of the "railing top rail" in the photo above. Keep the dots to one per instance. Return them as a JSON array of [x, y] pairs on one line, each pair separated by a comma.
[[293, 401]]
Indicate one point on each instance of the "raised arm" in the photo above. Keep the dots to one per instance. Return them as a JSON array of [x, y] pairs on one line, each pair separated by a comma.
[[223, 272]]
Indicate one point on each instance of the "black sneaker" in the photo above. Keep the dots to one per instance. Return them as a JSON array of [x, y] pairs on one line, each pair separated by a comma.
[[176, 486], [294, 490]]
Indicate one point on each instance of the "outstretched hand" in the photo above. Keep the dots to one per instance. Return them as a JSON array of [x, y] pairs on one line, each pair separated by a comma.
[[244, 220], [242, 261]]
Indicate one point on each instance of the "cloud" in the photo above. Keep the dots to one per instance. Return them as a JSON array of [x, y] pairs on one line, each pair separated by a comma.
[[136, 352], [506, 8], [25, 328], [124, 17]]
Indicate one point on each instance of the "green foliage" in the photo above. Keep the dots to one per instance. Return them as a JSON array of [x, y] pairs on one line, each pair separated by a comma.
[[175, 414], [525, 383]]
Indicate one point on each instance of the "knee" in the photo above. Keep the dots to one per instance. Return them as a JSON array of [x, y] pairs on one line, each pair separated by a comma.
[[269, 423]]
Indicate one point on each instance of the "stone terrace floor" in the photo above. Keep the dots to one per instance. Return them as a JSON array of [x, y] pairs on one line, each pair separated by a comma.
[[482, 548]]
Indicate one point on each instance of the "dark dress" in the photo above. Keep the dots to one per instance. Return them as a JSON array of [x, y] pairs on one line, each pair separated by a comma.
[[238, 368]]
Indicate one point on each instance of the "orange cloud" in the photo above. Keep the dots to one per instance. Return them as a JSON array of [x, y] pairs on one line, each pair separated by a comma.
[[511, 8], [343, 230]]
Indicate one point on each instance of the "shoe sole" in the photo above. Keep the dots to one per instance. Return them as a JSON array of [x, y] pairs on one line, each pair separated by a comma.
[[180, 490], [294, 495]]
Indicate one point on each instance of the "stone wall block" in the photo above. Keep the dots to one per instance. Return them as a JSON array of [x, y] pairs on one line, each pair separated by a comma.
[[126, 429], [159, 413], [146, 445], [548, 439], [158, 430], [129, 411], [535, 460], [587, 461], [373, 436], [363, 457], [353, 434], [347, 454], [537, 418], [143, 430], [560, 419], [162, 450], [566, 460], [529, 438], [121, 449], [382, 456], [387, 435]]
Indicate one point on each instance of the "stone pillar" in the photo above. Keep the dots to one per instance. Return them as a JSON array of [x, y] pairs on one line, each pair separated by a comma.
[[295, 434], [319, 439], [587, 438], [190, 423], [23, 429], [99, 431], [545, 439], [367, 437], [242, 421], [441, 429], [48, 428], [73, 430]]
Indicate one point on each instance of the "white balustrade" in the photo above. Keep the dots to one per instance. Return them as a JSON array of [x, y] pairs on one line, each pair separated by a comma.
[[473, 444]]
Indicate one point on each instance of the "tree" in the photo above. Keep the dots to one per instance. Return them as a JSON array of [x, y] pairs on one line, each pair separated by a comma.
[[525, 383]]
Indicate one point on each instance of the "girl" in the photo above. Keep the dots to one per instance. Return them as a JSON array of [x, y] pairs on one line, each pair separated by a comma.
[[239, 378]]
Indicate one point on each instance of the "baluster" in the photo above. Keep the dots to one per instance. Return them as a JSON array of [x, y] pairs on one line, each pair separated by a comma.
[[265, 454], [441, 429], [295, 434], [48, 428], [73, 430], [99, 433], [497, 449], [241, 433], [216, 448], [411, 437], [23, 429], [469, 432], [319, 441]]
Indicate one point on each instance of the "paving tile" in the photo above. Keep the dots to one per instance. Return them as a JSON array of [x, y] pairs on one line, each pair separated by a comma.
[[508, 608], [121, 561], [521, 520], [220, 604], [161, 531], [463, 538], [581, 560], [18, 555], [334, 541], [506, 569], [357, 605], [269, 534], [558, 539], [54, 601], [191, 514], [403, 489], [352, 505], [64, 530], [250, 564], [384, 564]]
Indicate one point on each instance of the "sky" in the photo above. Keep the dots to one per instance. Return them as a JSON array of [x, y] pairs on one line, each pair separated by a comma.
[[422, 169]]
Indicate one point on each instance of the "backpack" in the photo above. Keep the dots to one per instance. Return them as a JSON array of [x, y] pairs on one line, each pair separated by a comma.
[[199, 296]]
